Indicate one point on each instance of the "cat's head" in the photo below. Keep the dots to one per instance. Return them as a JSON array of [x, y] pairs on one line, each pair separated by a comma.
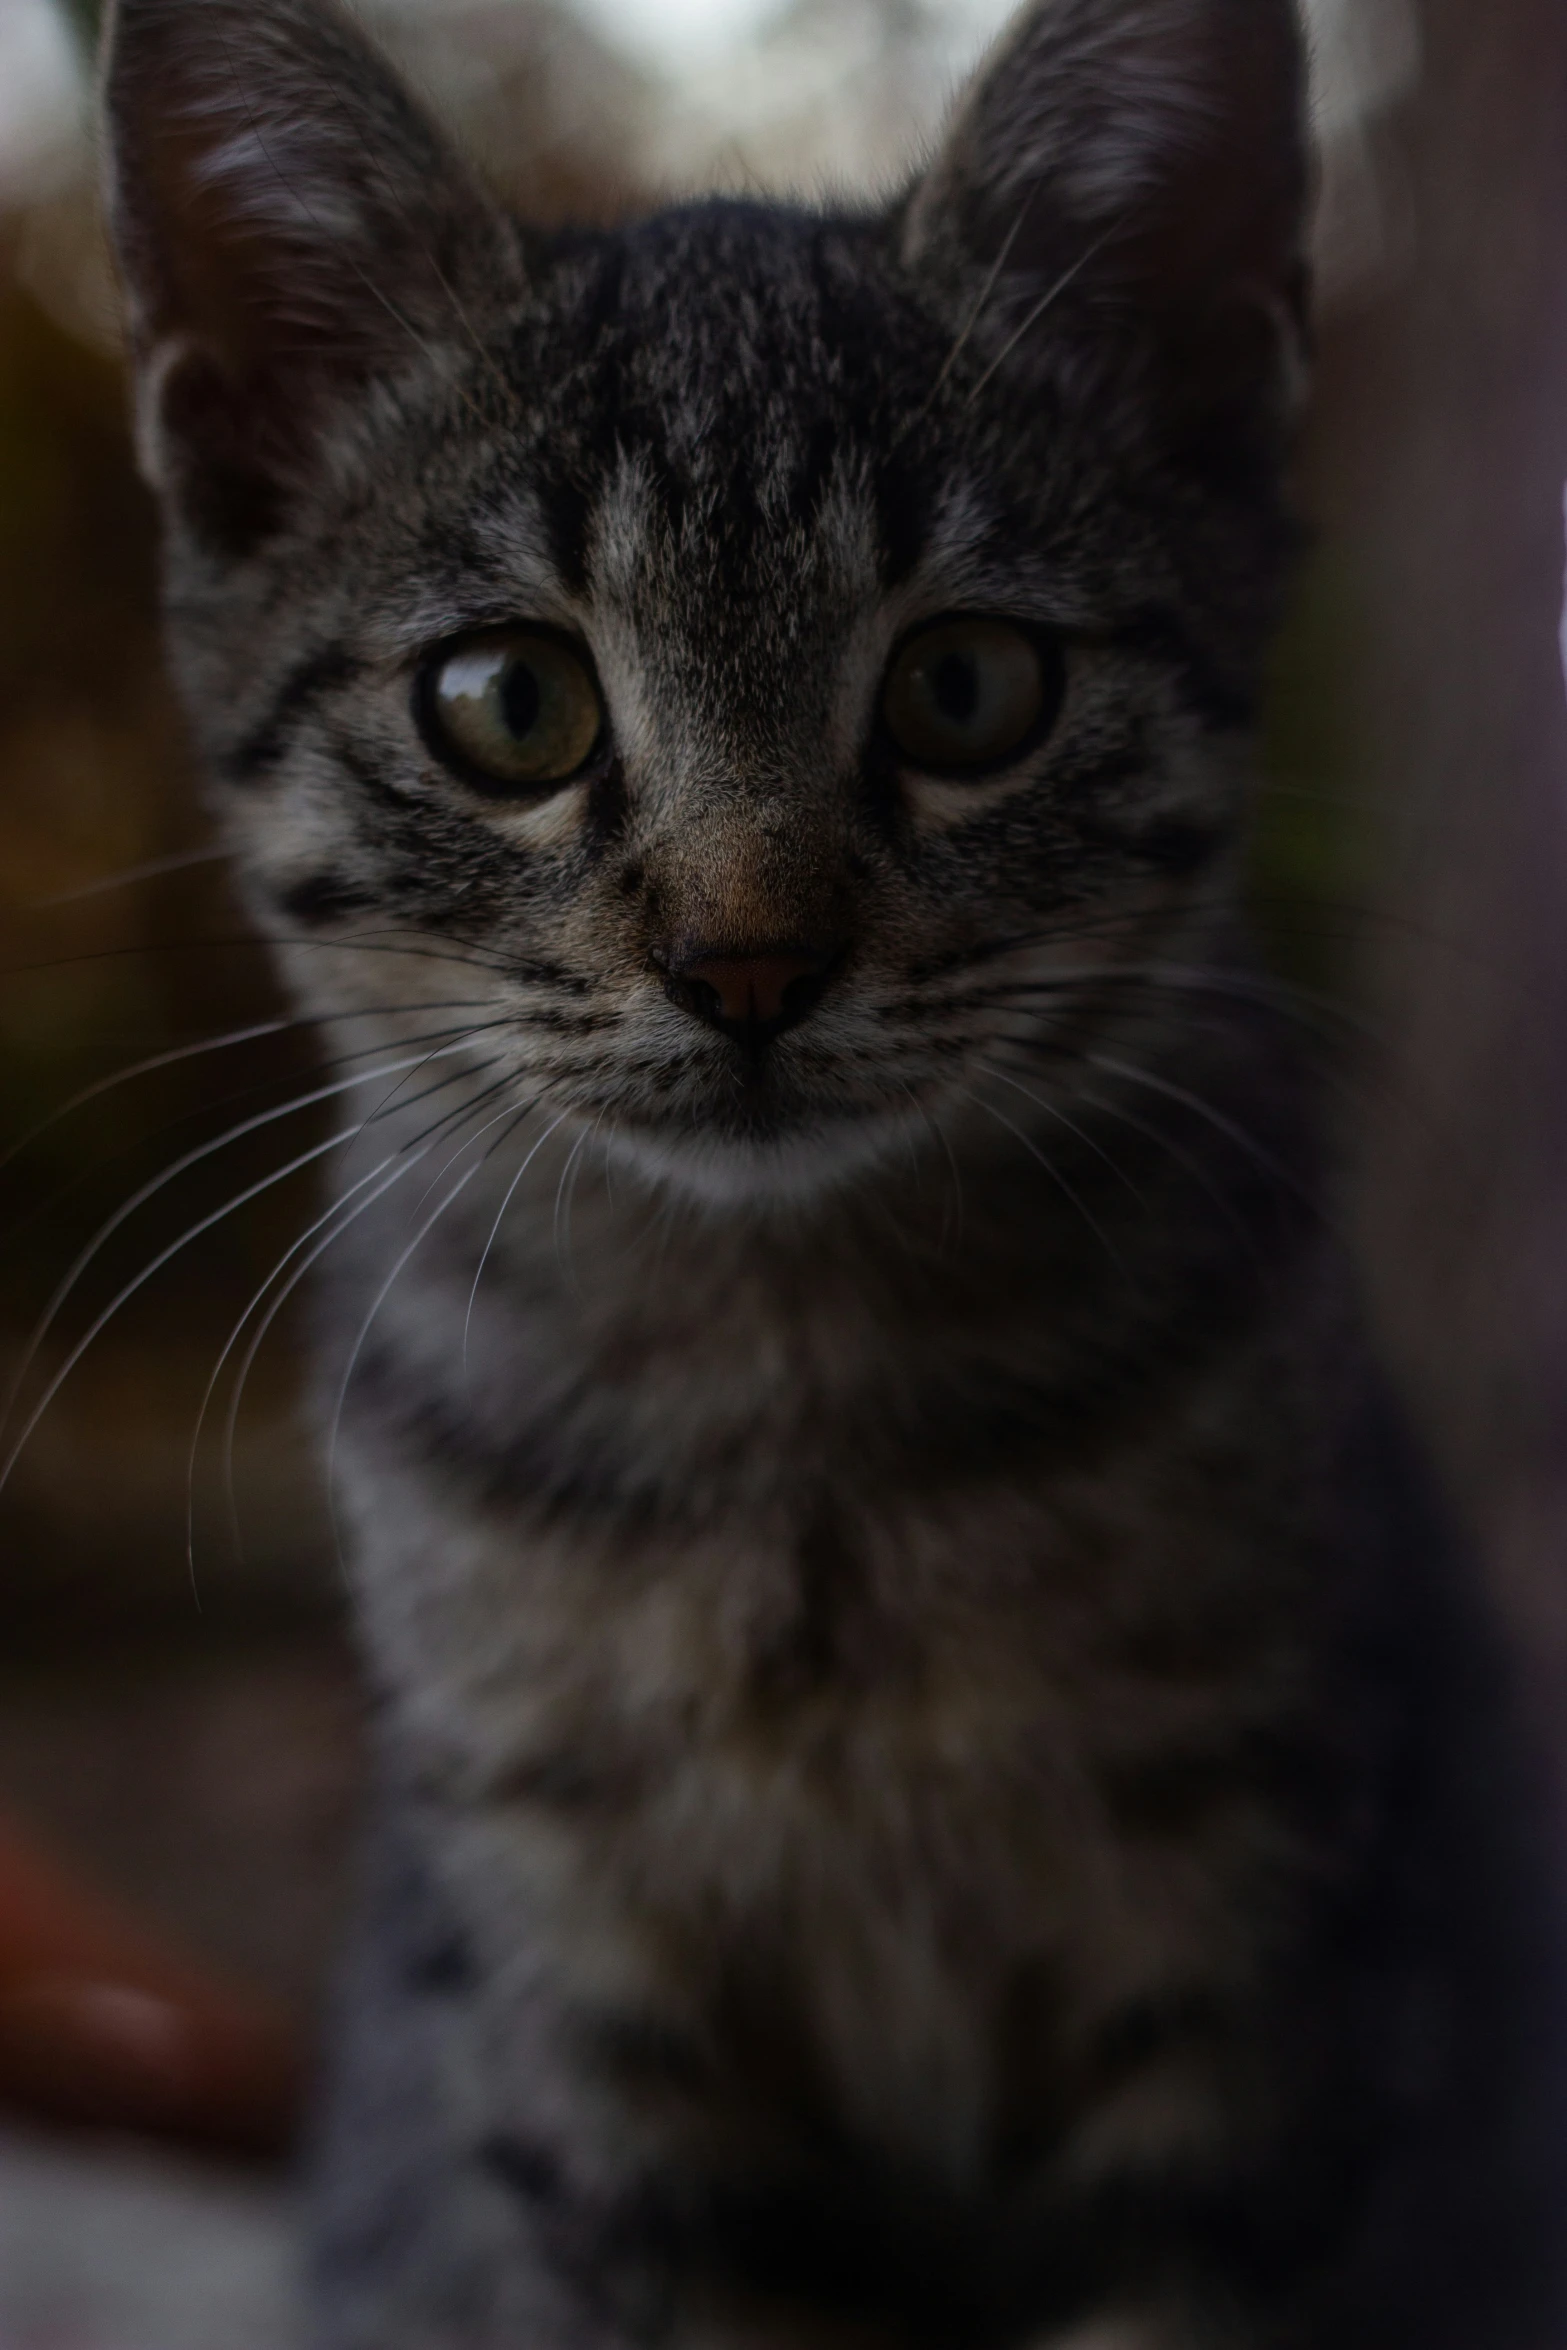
[[766, 666]]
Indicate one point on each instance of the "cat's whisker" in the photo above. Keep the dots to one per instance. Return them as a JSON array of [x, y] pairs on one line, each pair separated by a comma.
[[419, 946], [1066, 1189], [151, 869], [402, 1163], [1217, 978], [494, 1232], [1353, 1077], [394, 944], [428, 1224], [406, 1102], [1287, 996], [935, 1128], [234, 1037], [145, 1068], [1116, 1021], [233, 1338], [1051, 1110], [1266, 1160], [971, 321], [1351, 921], [1131, 1073], [201, 1111], [130, 1289], [514, 1110], [1112, 990], [193, 1158], [607, 1163], [1188, 1161], [1047, 301], [1190, 1164], [562, 1225]]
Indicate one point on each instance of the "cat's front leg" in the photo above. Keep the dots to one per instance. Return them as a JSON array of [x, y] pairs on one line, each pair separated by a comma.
[[428, 2227]]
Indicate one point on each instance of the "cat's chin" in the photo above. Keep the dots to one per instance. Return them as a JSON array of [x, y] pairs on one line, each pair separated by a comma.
[[738, 1172]]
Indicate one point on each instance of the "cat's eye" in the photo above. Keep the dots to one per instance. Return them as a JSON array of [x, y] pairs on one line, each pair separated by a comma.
[[514, 710], [966, 694]]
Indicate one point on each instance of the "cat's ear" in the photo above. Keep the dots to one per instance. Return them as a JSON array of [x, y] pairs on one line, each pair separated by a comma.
[[289, 226], [1141, 163]]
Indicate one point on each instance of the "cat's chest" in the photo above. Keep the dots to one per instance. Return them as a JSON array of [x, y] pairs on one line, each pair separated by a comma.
[[888, 1763], [852, 1796]]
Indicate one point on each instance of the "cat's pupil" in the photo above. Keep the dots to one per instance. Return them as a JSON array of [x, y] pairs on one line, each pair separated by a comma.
[[955, 687], [519, 699]]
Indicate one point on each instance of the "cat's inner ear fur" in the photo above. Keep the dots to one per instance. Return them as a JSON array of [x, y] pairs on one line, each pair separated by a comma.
[[289, 226], [1142, 163]]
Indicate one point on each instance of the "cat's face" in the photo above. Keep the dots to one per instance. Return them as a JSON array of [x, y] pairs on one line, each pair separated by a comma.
[[758, 665]]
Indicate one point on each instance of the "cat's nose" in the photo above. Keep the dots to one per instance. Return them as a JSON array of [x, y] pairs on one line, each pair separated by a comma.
[[754, 997]]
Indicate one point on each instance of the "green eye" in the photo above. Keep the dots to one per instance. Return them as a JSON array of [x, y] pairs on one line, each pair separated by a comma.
[[964, 695], [513, 711]]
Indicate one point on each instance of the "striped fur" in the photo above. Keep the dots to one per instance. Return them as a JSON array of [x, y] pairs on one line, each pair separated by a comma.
[[940, 1780]]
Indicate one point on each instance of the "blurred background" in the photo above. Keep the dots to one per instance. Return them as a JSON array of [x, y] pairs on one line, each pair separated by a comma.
[[176, 1704]]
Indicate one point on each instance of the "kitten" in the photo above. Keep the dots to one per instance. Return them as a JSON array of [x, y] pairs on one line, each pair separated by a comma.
[[938, 1781]]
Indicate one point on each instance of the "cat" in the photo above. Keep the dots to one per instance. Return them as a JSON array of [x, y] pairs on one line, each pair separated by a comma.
[[940, 1777]]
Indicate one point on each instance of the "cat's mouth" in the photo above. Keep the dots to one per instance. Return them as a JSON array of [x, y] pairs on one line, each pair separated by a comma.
[[766, 1103], [750, 1103], [752, 1078], [769, 1156]]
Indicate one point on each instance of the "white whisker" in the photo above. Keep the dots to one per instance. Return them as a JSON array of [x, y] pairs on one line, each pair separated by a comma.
[[1057, 1178], [363, 1332], [181, 861], [500, 1215], [1046, 301], [123, 1296], [181, 1166], [403, 1163]]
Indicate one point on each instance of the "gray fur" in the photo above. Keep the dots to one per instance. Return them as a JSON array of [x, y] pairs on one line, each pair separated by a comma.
[[939, 1781]]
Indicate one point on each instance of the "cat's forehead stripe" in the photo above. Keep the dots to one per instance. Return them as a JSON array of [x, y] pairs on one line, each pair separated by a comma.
[[506, 562], [712, 344]]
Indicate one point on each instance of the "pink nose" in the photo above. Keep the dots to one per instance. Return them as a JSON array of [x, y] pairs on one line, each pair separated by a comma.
[[750, 994], [751, 987]]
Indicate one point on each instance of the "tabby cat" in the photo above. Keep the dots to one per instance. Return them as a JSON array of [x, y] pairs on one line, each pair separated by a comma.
[[938, 1780]]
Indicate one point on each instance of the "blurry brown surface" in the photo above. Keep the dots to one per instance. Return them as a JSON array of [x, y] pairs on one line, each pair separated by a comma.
[[168, 1920], [213, 1788], [107, 2022]]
